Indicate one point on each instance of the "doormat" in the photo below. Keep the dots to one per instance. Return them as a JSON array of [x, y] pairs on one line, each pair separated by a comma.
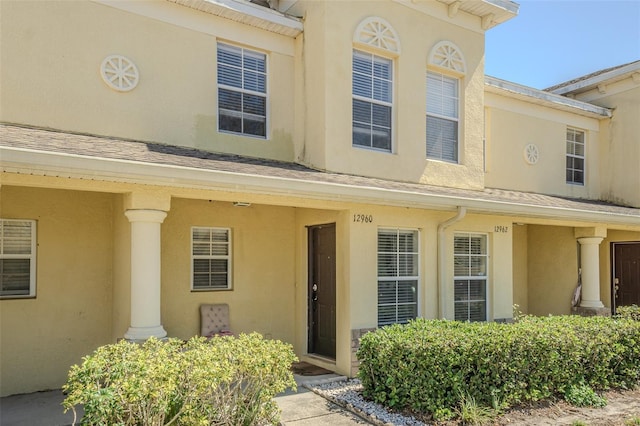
[[306, 369]]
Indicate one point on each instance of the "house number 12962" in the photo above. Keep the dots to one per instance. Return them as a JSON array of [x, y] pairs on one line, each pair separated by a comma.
[[362, 218]]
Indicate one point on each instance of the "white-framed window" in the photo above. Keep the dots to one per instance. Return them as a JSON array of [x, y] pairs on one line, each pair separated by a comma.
[[470, 257], [372, 101], [210, 258], [242, 91], [575, 156], [443, 102], [17, 258], [398, 275]]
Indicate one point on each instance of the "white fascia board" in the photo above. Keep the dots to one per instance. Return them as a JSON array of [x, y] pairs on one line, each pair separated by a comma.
[[41, 163], [508, 88], [259, 12], [244, 12], [613, 75], [507, 5]]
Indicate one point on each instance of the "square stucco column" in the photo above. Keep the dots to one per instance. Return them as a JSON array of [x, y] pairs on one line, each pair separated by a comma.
[[590, 265], [145, 274]]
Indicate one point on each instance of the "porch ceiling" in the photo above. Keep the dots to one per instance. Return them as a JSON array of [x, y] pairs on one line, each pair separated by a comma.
[[52, 153]]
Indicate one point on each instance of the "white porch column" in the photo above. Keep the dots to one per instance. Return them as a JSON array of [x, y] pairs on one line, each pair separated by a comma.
[[145, 274], [590, 265]]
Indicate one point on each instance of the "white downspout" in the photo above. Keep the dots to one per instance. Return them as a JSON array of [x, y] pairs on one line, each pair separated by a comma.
[[442, 285]]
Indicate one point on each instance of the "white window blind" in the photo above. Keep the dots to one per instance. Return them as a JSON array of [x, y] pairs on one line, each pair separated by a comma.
[[442, 117], [575, 156], [242, 91], [372, 101], [17, 258], [211, 258], [470, 281], [398, 276]]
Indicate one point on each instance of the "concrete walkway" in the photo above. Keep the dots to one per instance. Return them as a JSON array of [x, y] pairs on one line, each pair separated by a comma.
[[303, 407]]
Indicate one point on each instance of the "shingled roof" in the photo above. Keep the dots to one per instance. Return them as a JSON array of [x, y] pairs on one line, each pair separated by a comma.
[[15, 137]]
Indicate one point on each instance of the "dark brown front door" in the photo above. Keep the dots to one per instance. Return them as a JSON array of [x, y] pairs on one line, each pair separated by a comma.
[[322, 290], [626, 274]]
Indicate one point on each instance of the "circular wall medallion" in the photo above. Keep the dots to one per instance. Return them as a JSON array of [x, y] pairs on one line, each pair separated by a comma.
[[531, 154], [119, 73]]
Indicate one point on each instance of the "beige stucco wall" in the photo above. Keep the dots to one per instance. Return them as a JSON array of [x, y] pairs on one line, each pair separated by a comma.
[[71, 313], [552, 269], [520, 267], [620, 142], [327, 143], [263, 244], [513, 124], [52, 51]]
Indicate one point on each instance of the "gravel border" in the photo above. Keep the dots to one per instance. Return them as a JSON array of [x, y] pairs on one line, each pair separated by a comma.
[[347, 393]]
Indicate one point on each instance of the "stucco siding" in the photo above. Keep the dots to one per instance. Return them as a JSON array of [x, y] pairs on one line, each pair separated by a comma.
[[263, 275], [56, 49], [71, 313]]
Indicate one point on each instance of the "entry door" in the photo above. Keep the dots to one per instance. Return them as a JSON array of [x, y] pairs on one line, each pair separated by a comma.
[[626, 274], [322, 290]]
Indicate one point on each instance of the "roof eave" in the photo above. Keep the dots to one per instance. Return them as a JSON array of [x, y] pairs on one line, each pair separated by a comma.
[[248, 13], [507, 88], [41, 163], [589, 83]]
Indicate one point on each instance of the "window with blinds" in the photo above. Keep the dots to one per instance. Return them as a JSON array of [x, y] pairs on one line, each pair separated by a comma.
[[470, 282], [211, 258], [242, 91], [442, 117], [575, 156], [398, 275], [17, 258], [372, 101]]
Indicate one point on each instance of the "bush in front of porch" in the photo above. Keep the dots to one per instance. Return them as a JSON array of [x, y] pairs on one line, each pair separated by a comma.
[[435, 367], [225, 380]]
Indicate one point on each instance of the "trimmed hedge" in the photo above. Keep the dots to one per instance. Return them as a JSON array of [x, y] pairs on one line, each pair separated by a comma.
[[432, 366], [226, 380], [629, 312]]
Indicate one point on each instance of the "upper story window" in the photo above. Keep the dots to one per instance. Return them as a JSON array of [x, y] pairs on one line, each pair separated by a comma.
[[575, 156], [242, 91], [211, 258], [443, 102], [17, 258], [372, 100], [398, 275], [373, 84], [470, 257]]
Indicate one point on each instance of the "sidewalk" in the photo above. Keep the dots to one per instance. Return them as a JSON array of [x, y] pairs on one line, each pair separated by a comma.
[[303, 407]]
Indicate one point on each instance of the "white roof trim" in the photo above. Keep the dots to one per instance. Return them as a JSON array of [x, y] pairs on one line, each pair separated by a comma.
[[29, 161], [496, 85], [615, 74], [248, 13]]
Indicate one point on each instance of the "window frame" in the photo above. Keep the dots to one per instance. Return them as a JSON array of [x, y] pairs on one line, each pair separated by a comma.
[[228, 257], [398, 277], [469, 278], [373, 101], [32, 257], [242, 90], [442, 117], [573, 156]]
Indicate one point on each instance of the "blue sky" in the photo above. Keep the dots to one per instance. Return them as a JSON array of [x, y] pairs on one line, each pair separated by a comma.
[[552, 41]]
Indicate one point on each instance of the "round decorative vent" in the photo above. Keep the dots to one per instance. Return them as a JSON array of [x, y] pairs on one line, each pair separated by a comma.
[[119, 73], [531, 154]]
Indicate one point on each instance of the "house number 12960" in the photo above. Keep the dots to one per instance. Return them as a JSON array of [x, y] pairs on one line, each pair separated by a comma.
[[362, 218]]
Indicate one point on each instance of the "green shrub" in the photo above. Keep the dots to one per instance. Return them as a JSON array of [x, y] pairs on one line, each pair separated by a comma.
[[226, 380], [583, 396], [426, 365], [628, 312]]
